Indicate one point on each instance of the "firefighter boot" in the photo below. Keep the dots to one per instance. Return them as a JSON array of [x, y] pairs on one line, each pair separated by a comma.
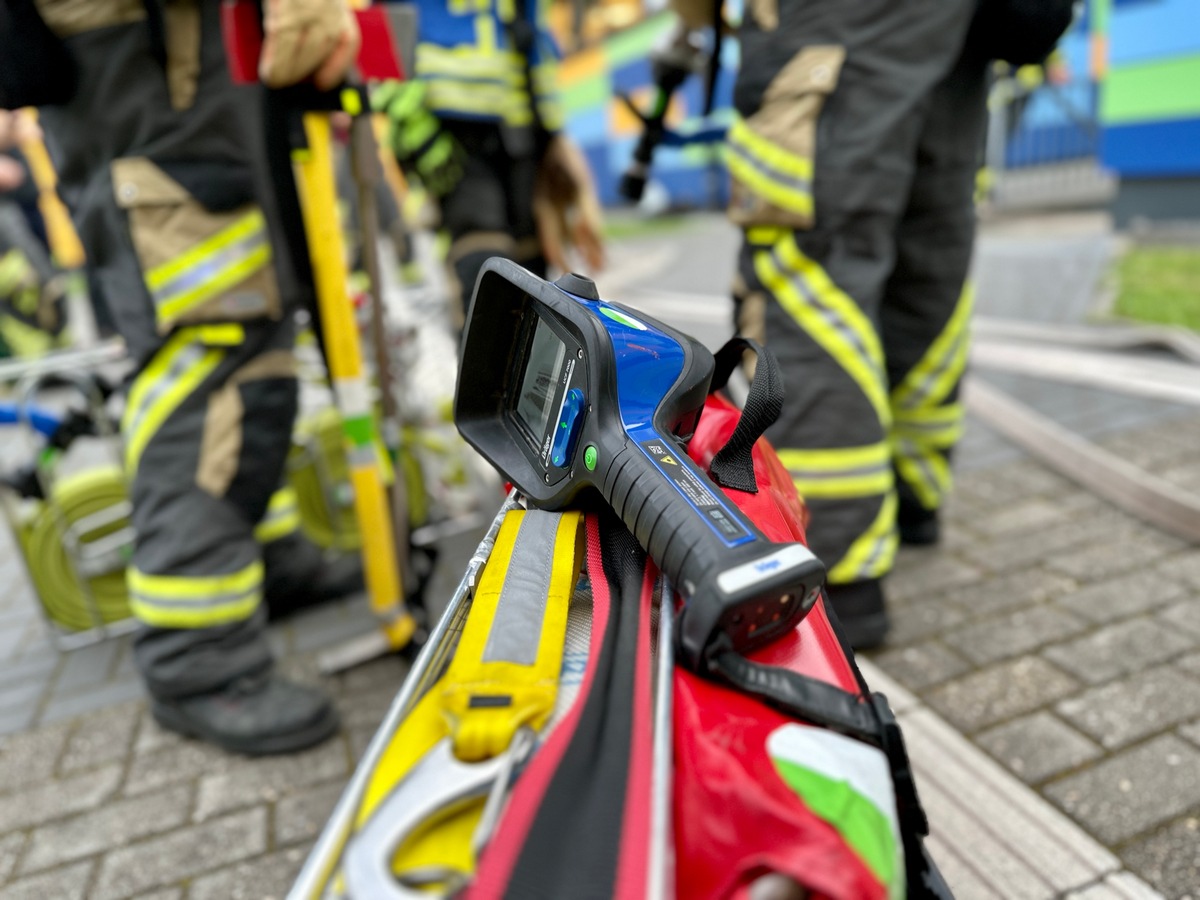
[[298, 574], [860, 609], [258, 715]]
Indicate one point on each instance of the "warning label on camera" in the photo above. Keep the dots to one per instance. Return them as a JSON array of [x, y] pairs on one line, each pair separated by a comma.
[[697, 492]]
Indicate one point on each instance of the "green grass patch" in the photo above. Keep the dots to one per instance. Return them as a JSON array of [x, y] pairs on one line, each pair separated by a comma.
[[1160, 284], [629, 225]]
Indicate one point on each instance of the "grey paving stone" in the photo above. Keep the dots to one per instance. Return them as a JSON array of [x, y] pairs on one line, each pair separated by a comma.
[[69, 883], [268, 779], [183, 854], [328, 624], [921, 665], [1000, 691], [1121, 597], [113, 825], [165, 894], [31, 757], [65, 796], [1026, 515], [365, 708], [28, 667], [1169, 859], [1185, 567], [1184, 616], [1120, 713], [101, 737], [21, 695], [1192, 732], [1134, 791], [1012, 552], [301, 817], [1120, 649], [1038, 746], [10, 849], [88, 666], [110, 693], [17, 719], [920, 620], [1105, 559], [1008, 592], [268, 878], [1190, 664], [991, 640], [174, 763], [151, 737], [385, 672], [937, 575]]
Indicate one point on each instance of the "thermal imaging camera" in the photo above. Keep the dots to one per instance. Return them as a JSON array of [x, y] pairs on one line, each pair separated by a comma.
[[565, 393]]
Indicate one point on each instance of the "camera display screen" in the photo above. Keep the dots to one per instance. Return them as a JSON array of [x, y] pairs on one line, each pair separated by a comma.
[[543, 368]]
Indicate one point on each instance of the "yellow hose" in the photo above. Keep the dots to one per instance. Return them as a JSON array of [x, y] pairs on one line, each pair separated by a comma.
[[318, 452], [53, 577]]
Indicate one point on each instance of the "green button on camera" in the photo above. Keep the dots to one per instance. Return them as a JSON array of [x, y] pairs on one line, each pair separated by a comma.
[[589, 457]]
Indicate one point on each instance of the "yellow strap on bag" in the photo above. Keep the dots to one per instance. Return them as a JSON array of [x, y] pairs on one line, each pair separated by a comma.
[[505, 672], [504, 676]]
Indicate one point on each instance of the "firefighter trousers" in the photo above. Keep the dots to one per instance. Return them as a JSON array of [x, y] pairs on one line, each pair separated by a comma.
[[160, 158], [853, 164]]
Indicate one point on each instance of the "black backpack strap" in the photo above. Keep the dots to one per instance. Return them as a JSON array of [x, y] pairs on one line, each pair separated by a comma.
[[733, 466]]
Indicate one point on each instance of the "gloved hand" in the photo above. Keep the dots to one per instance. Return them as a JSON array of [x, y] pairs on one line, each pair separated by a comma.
[[307, 37], [566, 207], [416, 136]]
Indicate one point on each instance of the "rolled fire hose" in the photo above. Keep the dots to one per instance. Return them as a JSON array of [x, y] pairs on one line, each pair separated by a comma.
[[54, 577]]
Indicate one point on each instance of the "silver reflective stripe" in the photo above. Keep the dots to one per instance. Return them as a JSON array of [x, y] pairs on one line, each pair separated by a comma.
[[517, 626]]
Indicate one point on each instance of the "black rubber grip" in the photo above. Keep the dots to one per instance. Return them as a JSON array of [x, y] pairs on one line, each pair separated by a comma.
[[751, 592]]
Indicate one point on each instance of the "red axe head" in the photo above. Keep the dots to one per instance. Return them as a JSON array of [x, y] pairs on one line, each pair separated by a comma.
[[241, 29]]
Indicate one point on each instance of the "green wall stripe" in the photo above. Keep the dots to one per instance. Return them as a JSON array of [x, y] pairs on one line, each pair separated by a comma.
[[859, 821], [1165, 89], [638, 41]]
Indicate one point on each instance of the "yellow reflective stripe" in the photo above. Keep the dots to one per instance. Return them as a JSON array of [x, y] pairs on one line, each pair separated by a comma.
[[228, 334], [768, 170], [872, 553], [244, 227], [209, 268], [282, 517], [214, 285], [195, 601], [844, 487], [174, 373], [840, 473], [469, 62], [836, 460], [931, 380], [927, 473], [829, 316]]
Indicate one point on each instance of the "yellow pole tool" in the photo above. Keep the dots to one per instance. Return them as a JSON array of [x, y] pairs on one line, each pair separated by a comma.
[[314, 170], [64, 240]]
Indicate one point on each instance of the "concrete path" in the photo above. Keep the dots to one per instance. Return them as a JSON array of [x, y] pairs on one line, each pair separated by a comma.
[[1045, 661]]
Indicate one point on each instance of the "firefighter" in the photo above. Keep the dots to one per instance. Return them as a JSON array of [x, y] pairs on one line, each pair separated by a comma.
[[159, 157], [852, 156], [489, 146]]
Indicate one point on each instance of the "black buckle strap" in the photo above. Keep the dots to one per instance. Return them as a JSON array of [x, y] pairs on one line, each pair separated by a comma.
[[866, 717]]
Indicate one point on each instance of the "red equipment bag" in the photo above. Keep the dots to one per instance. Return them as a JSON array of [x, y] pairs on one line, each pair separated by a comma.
[[784, 762]]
